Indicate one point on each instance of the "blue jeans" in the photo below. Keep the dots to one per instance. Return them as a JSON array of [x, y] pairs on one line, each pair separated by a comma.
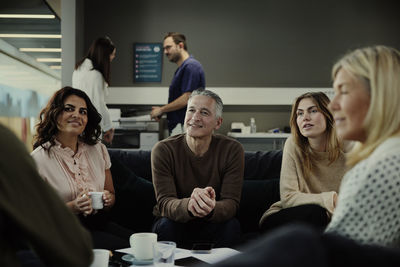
[[225, 234]]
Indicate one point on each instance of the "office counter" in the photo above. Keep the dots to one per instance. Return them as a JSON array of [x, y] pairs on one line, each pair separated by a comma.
[[260, 141]]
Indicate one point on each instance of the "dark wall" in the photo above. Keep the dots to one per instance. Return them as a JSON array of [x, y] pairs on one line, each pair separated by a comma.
[[281, 43]]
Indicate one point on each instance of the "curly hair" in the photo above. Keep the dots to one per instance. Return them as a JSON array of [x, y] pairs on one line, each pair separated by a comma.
[[47, 128]]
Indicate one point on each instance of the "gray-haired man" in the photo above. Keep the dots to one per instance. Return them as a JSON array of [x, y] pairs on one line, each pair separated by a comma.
[[198, 178]]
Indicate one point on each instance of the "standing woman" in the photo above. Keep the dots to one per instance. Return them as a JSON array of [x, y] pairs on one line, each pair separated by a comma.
[[92, 75], [70, 158], [313, 165], [366, 109]]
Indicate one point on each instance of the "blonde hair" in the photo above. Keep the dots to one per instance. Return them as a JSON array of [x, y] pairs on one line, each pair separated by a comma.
[[333, 146], [379, 68]]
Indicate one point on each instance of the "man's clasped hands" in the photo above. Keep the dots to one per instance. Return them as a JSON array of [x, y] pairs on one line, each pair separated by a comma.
[[202, 201]]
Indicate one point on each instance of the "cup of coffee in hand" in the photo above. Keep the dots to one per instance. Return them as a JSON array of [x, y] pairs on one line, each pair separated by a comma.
[[142, 245], [97, 200]]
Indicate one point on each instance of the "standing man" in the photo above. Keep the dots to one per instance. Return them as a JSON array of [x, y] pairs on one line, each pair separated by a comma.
[[188, 77], [198, 179]]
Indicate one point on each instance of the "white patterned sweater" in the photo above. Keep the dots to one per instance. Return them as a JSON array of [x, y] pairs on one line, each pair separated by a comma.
[[368, 209]]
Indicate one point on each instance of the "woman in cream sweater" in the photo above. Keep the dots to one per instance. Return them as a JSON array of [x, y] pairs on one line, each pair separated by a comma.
[[313, 165]]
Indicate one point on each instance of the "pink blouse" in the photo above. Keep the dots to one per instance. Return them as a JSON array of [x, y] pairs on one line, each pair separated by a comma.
[[70, 174]]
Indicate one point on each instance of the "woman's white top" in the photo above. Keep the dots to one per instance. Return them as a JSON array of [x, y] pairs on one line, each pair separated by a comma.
[[91, 81], [368, 209]]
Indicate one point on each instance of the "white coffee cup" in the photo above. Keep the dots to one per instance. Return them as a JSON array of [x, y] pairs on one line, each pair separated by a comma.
[[142, 245], [97, 200], [100, 258]]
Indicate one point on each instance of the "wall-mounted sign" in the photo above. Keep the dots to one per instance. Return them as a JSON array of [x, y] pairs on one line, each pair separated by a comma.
[[147, 62]]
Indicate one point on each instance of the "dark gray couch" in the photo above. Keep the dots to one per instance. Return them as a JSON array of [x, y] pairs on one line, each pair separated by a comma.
[[135, 198]]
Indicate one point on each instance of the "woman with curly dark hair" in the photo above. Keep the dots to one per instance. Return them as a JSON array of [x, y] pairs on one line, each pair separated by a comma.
[[47, 127], [70, 157]]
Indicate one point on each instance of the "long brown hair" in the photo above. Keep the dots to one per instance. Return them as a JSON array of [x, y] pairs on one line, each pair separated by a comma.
[[333, 146], [99, 53], [47, 128]]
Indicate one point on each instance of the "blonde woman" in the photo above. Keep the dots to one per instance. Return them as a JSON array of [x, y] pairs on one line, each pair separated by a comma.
[[313, 165], [365, 227], [366, 109]]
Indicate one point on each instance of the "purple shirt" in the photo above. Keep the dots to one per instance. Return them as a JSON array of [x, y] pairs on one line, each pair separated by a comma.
[[188, 77]]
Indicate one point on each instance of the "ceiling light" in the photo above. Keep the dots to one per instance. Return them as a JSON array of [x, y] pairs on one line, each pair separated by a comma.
[[40, 49], [49, 59], [27, 16], [12, 35], [55, 67]]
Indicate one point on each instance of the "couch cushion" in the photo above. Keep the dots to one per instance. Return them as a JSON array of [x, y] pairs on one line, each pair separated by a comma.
[[257, 197], [135, 198], [262, 165], [138, 161]]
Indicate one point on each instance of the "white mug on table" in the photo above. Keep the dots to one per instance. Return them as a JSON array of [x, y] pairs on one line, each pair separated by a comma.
[[142, 245]]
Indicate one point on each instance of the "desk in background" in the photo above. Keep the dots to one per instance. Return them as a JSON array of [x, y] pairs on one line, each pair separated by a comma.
[[260, 141]]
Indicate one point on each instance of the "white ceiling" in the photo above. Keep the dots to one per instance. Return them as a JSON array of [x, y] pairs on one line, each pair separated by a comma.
[[32, 26], [21, 70]]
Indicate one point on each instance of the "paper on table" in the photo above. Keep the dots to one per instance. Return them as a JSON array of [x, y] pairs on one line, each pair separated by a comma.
[[181, 253], [216, 255]]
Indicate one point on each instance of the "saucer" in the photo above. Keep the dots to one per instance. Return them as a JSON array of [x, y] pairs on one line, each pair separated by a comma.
[[130, 258]]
